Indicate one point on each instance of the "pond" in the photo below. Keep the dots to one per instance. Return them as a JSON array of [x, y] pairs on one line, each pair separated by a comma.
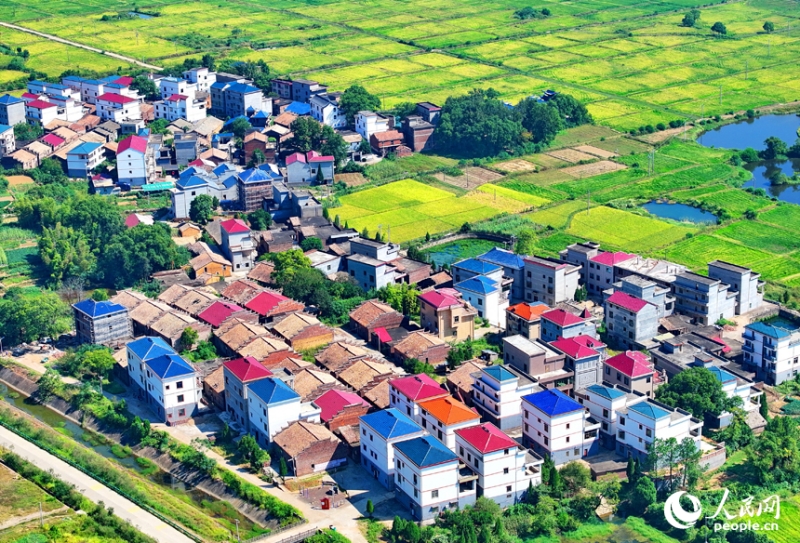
[[764, 169], [680, 212], [448, 253], [140, 15], [752, 132]]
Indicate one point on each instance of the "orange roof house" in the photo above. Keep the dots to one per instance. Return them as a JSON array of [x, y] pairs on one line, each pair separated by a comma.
[[443, 416]]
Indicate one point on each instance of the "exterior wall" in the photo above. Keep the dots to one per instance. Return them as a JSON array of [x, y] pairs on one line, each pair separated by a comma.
[[173, 400], [446, 434], [500, 403], [642, 384], [348, 416], [491, 306], [417, 487], [12, 114], [599, 278], [450, 324], [132, 167], [82, 165], [550, 284], [318, 457], [745, 284], [562, 437], [239, 249], [588, 371], [267, 420], [516, 325], [377, 453], [236, 399], [706, 304], [103, 330], [503, 476], [629, 328], [636, 432], [551, 331], [605, 411], [773, 360], [369, 276]]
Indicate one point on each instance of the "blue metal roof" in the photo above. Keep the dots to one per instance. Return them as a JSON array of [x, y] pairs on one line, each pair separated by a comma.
[[110, 79], [606, 392], [193, 181], [504, 258], [770, 330], [479, 284], [219, 85], [222, 168], [222, 135], [229, 181], [7, 99], [271, 390], [5, 127], [84, 148], [169, 365], [721, 374], [499, 373], [426, 451], [552, 402], [476, 266], [649, 410], [76, 78], [230, 122], [190, 171], [243, 88], [97, 309], [298, 108], [261, 114], [255, 175], [149, 347], [94, 82], [390, 423]]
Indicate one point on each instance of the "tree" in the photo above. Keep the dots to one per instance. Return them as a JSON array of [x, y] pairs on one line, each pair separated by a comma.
[[776, 149], [403, 297], [576, 477], [100, 295], [287, 263], [643, 495], [698, 391], [555, 483], [250, 450], [98, 363], [65, 252], [189, 337], [526, 242], [201, 209], [307, 134], [49, 385], [208, 61], [333, 144], [370, 508], [459, 353], [259, 219], [749, 155], [28, 318], [27, 132], [571, 110], [364, 147], [356, 98], [738, 433], [540, 119], [239, 127], [719, 29], [691, 18], [763, 407], [258, 158], [311, 243], [775, 454], [630, 469], [769, 27], [283, 469], [146, 87]]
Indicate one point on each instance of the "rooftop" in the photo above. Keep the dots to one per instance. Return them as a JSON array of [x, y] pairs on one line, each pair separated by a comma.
[[631, 363], [499, 373], [425, 451], [626, 301], [439, 299], [552, 402], [169, 365], [334, 400], [98, 309], [476, 266], [486, 438], [606, 392], [390, 423], [612, 259], [479, 284], [575, 349], [504, 258], [562, 318], [774, 328], [234, 226], [449, 411], [531, 348], [649, 409], [417, 387], [247, 369], [528, 311]]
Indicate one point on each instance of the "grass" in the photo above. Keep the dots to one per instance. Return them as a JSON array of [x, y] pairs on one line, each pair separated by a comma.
[[454, 251], [761, 236], [20, 497], [557, 216]]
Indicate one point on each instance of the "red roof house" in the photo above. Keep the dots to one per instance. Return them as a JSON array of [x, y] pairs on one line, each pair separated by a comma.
[[269, 303], [247, 369], [486, 438], [115, 98], [125, 81], [135, 143], [576, 350], [53, 141], [234, 226], [418, 387], [439, 299], [295, 157], [177, 98], [626, 301], [611, 259], [218, 312], [39, 104], [561, 318], [314, 156], [631, 363], [341, 408]]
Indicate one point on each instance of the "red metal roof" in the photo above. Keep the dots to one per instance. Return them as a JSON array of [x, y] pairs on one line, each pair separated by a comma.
[[136, 143], [247, 369], [216, 313], [631, 363], [383, 334], [418, 387], [53, 141], [115, 98], [439, 299], [125, 80], [264, 302], [573, 349], [177, 98], [333, 401], [589, 341], [29, 96], [314, 156], [626, 301], [610, 259], [40, 104], [295, 157], [561, 317], [487, 438], [234, 226]]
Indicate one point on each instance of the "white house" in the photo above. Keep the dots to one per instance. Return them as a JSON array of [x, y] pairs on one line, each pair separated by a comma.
[[8, 143], [505, 470], [428, 479], [556, 425], [405, 393], [772, 350], [41, 112], [180, 106], [369, 123], [497, 393], [379, 432], [309, 168], [325, 109], [84, 158], [166, 381], [371, 273], [135, 161], [168, 86], [118, 108], [603, 402], [237, 244], [201, 77], [734, 387], [272, 406], [443, 416], [640, 424], [237, 375], [487, 297]]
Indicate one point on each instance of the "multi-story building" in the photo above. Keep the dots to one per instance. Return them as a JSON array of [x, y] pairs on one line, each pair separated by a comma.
[[12, 110], [8, 143], [380, 250], [118, 108], [603, 403], [304, 89], [556, 425], [443, 312], [648, 291], [237, 244], [405, 394], [371, 273], [704, 299], [172, 86], [583, 358], [201, 77], [639, 424], [513, 270], [180, 106], [631, 371], [537, 360], [559, 323], [497, 393], [630, 321], [166, 381], [743, 282], [441, 417], [89, 89], [369, 123], [418, 133], [379, 431], [428, 478], [472, 267], [429, 112], [601, 272], [772, 350], [192, 182], [135, 161], [104, 323], [272, 406], [84, 158], [736, 387], [525, 319], [580, 254], [41, 112], [254, 187], [234, 99], [549, 280], [238, 374], [310, 168], [661, 272], [325, 109], [487, 297], [505, 470]]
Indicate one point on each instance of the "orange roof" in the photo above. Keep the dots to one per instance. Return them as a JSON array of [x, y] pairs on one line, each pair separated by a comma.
[[449, 411], [529, 311]]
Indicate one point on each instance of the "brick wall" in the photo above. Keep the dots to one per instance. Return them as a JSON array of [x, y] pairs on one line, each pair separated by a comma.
[[312, 337], [347, 416], [320, 452]]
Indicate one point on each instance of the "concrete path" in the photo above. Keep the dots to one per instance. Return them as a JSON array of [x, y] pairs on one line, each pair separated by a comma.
[[82, 46], [92, 489]]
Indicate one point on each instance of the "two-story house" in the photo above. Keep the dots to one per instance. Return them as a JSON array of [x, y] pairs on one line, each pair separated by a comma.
[[238, 374], [379, 431], [603, 402], [272, 405], [558, 323], [539, 361], [631, 371], [407, 392], [639, 424], [441, 417], [513, 270], [443, 312], [497, 393]]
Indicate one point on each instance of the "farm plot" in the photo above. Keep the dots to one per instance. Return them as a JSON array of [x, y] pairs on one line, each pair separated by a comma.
[[516, 165], [473, 177], [595, 168], [571, 155], [523, 197], [761, 236], [596, 151], [698, 251], [734, 201], [785, 215], [556, 216]]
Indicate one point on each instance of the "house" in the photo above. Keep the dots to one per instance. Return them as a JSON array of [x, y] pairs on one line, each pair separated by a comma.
[[311, 168], [304, 89], [583, 358], [262, 273], [505, 470], [238, 374], [272, 406], [26, 160], [549, 280], [632, 322], [418, 133], [8, 143], [444, 313], [602, 273], [255, 187], [369, 123], [428, 478], [210, 264], [604, 403], [165, 380], [420, 346], [734, 387], [237, 244], [513, 270], [234, 98], [118, 108], [135, 219], [524, 319], [303, 332], [194, 181], [373, 314], [631, 371], [186, 148], [12, 110], [310, 448], [135, 161], [257, 141], [369, 272], [539, 361], [325, 109], [379, 432], [339, 355], [364, 373], [104, 323], [214, 389], [84, 158], [556, 425], [497, 392], [772, 349], [41, 112], [705, 299], [386, 142], [217, 312], [559, 323], [379, 395], [407, 392], [647, 290], [640, 424], [329, 264], [443, 416], [180, 106], [459, 382], [429, 112], [487, 297], [271, 305], [340, 408], [743, 282], [201, 77], [311, 383], [580, 254], [661, 272]]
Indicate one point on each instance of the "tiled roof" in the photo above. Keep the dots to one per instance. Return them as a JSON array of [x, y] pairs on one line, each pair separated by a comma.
[[552, 402], [415, 344], [366, 313], [449, 411], [295, 157], [247, 369], [313, 156], [272, 391], [649, 410], [561, 317], [439, 299], [610, 259], [529, 311], [52, 140], [7, 99], [486, 438], [216, 313], [606, 392], [378, 395], [476, 266], [133, 142], [301, 435], [417, 387], [631, 363], [503, 257], [390, 423], [333, 401], [98, 309], [234, 226], [362, 372], [573, 349], [626, 301], [84, 148], [169, 365], [425, 451]]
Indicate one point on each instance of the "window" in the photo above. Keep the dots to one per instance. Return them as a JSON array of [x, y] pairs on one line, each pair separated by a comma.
[[505, 471], [181, 412], [415, 478], [605, 413], [416, 493], [567, 426], [434, 494], [180, 397], [648, 432], [505, 451], [567, 439], [622, 421], [508, 488], [179, 384]]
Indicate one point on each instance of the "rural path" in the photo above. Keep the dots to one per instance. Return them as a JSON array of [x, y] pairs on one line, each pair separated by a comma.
[[33, 516], [93, 490], [82, 46]]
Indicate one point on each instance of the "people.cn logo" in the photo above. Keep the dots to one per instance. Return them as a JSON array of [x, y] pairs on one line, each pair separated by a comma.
[[677, 516]]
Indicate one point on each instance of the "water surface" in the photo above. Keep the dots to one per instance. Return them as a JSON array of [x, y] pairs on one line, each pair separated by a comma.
[[680, 212], [752, 132]]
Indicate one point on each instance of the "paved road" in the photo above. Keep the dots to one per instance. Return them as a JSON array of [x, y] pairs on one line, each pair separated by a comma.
[[93, 490], [82, 46]]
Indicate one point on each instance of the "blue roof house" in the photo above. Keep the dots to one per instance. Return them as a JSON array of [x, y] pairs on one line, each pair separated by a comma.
[[558, 426], [379, 432], [513, 268], [428, 479], [84, 158], [771, 349], [603, 403], [273, 406], [104, 323], [165, 381], [485, 293], [497, 393], [641, 423]]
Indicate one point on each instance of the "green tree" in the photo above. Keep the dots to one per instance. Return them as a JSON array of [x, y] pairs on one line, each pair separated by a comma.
[[769, 27], [287, 263], [526, 242], [306, 134], [776, 149], [460, 352], [208, 61], [571, 110], [98, 363], [749, 155], [719, 29], [311, 243], [364, 147], [189, 337], [403, 297], [576, 477], [201, 209], [356, 98], [691, 18], [258, 158], [555, 483], [763, 407], [239, 127], [283, 469], [65, 252], [630, 469], [100, 295], [251, 451], [541, 120], [28, 318], [643, 495], [370, 508], [146, 87], [27, 132], [259, 219], [775, 454], [698, 391], [333, 144], [50, 385]]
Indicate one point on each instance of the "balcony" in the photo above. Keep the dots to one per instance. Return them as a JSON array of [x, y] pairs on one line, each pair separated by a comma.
[[465, 474]]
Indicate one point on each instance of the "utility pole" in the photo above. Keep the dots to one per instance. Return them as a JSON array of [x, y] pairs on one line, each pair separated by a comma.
[[41, 516], [588, 202], [237, 531]]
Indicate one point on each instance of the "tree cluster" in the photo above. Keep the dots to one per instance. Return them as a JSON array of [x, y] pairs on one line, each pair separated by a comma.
[[356, 98], [691, 19], [88, 361], [403, 298], [531, 13], [311, 135], [25, 317], [699, 392]]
